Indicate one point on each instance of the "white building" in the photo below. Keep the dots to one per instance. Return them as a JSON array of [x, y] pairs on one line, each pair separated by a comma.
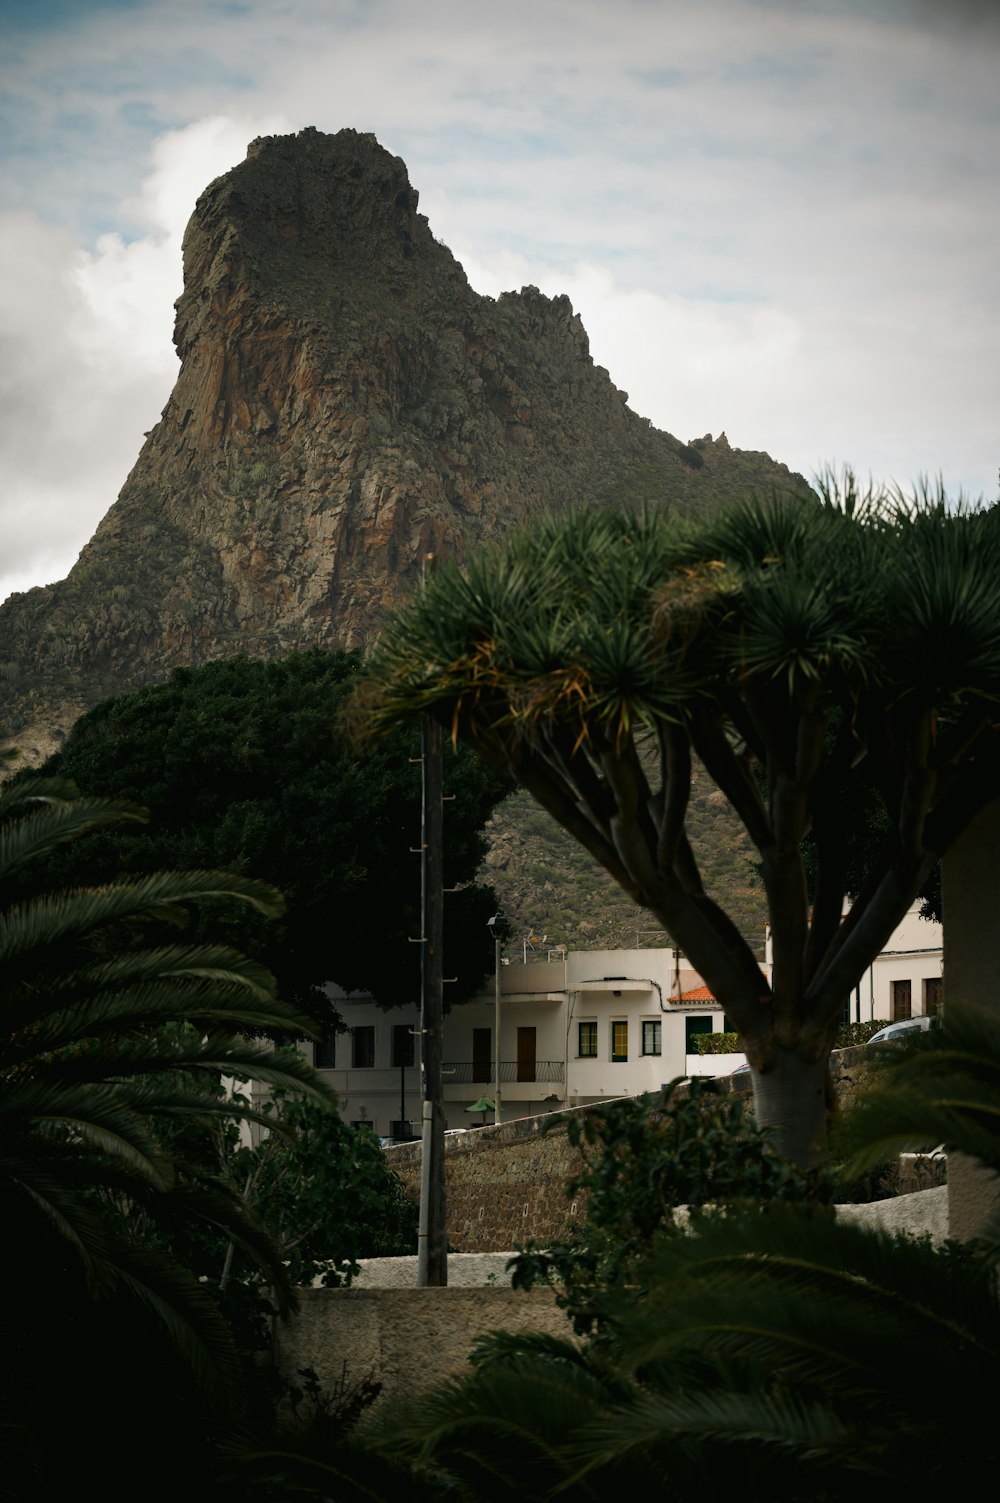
[[575, 1028], [905, 980], [579, 1027]]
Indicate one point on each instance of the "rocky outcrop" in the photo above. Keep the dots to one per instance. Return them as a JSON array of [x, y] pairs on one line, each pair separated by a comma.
[[345, 402]]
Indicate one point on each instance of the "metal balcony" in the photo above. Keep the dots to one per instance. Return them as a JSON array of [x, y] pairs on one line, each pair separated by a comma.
[[539, 1071]]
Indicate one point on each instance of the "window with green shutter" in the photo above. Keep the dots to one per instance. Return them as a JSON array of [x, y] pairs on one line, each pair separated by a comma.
[[652, 1033], [588, 1041]]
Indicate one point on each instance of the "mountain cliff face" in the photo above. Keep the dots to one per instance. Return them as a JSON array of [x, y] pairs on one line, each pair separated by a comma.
[[345, 402]]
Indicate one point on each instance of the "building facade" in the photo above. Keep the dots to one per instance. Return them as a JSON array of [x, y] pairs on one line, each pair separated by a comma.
[[578, 1027]]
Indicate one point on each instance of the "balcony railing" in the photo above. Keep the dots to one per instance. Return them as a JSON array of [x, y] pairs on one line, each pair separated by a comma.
[[464, 1072]]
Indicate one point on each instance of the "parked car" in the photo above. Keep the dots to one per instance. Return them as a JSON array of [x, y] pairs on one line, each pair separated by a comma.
[[906, 1025]]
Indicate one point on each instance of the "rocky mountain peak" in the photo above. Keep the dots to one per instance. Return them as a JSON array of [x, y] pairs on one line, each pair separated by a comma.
[[345, 402]]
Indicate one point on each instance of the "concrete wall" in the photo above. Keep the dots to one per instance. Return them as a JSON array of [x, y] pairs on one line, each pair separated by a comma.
[[406, 1339]]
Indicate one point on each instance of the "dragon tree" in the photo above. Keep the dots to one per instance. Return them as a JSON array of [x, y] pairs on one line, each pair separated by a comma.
[[799, 648]]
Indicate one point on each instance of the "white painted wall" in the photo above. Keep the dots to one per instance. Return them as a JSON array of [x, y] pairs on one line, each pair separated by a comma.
[[914, 953], [714, 1065]]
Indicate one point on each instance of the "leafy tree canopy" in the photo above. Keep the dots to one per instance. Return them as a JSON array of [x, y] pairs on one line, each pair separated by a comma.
[[322, 1191], [244, 767], [854, 639]]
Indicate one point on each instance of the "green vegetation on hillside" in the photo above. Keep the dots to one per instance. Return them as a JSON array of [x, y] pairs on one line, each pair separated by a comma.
[[548, 885]]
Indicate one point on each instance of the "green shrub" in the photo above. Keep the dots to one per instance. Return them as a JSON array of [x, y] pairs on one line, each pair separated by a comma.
[[849, 1034], [644, 1157], [718, 1043]]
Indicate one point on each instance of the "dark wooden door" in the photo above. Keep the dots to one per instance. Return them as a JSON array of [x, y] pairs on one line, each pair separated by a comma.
[[902, 1002], [526, 1054], [482, 1054]]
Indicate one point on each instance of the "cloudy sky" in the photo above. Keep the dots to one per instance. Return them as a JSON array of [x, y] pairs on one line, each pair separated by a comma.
[[777, 218]]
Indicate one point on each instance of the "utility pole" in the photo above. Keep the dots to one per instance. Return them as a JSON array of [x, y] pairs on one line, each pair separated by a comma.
[[432, 1243], [501, 928]]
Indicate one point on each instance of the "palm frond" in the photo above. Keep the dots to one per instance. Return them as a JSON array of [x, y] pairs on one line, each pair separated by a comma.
[[825, 1306], [77, 1118], [36, 834], [46, 1027], [189, 1318], [944, 1091], [60, 916], [19, 797], [504, 1431], [101, 1043]]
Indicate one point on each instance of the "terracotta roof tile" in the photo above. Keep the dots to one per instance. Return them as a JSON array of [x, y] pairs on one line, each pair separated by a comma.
[[697, 994]]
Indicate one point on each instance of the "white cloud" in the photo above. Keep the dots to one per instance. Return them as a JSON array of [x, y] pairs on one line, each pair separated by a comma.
[[131, 285], [88, 359], [811, 390]]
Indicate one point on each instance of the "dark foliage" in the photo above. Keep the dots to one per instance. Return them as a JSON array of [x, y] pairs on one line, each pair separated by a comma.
[[776, 1353], [244, 766], [107, 1043]]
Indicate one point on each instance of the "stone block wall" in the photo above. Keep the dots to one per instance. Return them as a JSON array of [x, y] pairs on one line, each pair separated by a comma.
[[849, 1072], [505, 1185]]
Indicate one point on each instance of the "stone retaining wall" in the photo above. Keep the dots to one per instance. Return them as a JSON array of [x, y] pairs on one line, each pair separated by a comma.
[[503, 1185], [409, 1339], [506, 1185]]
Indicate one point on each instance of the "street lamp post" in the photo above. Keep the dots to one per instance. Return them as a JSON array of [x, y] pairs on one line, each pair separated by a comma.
[[500, 928]]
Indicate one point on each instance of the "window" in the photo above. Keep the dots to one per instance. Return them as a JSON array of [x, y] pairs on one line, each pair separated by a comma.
[[933, 995], [363, 1122], [587, 1041], [902, 1006], [619, 1043], [651, 1037], [692, 1027], [326, 1048], [363, 1047], [400, 1130], [402, 1045]]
